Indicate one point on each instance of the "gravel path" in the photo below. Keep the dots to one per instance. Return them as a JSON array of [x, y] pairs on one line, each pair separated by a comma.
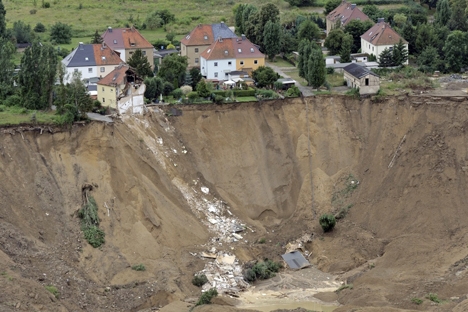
[[306, 91]]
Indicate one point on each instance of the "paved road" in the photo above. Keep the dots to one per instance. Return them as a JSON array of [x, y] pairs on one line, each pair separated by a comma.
[[99, 117], [306, 91]]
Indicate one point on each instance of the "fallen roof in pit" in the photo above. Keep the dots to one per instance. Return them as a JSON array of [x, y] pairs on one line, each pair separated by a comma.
[[295, 260]]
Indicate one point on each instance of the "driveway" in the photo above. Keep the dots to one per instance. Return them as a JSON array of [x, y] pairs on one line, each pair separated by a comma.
[[99, 117], [306, 91]]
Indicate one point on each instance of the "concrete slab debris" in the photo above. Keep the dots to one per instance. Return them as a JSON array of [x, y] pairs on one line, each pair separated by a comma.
[[205, 190], [295, 260], [208, 255]]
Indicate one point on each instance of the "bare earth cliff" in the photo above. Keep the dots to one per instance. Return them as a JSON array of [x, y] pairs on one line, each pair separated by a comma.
[[404, 234]]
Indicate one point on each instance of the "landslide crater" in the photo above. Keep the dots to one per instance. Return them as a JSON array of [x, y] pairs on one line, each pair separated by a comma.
[[275, 167]]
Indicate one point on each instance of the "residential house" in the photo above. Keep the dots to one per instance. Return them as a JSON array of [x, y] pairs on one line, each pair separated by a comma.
[[158, 55], [123, 90], [343, 14], [91, 60], [126, 41], [200, 38], [379, 37], [231, 54], [358, 76]]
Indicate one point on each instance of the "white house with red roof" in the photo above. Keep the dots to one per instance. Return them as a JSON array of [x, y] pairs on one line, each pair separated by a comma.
[[380, 37], [231, 54], [343, 14]]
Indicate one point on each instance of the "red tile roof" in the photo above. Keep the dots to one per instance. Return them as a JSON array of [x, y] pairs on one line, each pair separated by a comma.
[[125, 38], [103, 55], [382, 34], [346, 12], [115, 77], [200, 35], [231, 48]]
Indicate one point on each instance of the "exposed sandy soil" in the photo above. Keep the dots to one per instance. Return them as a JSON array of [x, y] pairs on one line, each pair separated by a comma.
[[402, 238]]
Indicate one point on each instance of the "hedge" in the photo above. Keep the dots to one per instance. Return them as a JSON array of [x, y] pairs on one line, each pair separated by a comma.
[[250, 92]]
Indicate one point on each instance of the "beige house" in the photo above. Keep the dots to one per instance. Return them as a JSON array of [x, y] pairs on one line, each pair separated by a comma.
[[200, 38], [122, 90], [358, 76], [343, 14], [126, 41]]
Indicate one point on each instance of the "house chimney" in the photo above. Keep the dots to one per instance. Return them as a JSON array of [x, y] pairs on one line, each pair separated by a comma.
[[222, 24], [220, 39], [109, 29], [81, 45], [380, 20], [353, 6], [243, 37]]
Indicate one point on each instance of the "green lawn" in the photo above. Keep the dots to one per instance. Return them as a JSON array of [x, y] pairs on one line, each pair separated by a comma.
[[335, 79], [19, 115], [246, 99], [281, 63]]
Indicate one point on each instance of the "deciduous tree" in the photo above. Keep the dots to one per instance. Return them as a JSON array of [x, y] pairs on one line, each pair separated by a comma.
[[173, 69], [3, 31], [334, 40], [264, 76], [316, 69], [36, 78], [308, 30], [330, 6], [154, 87], [141, 64], [456, 51], [21, 32], [428, 60], [345, 52], [7, 67], [61, 33], [443, 12], [271, 39], [357, 28]]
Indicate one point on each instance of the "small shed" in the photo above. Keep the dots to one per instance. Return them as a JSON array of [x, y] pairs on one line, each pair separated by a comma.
[[357, 76]]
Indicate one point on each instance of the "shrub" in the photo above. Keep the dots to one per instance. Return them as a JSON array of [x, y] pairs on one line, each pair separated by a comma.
[[186, 89], [90, 222], [53, 290], [266, 94], [192, 96], [206, 297], [347, 286], [243, 93], [2, 108], [177, 93], [12, 100], [46, 5], [262, 240], [330, 70], [433, 298], [219, 99], [327, 221], [199, 280], [354, 92], [139, 267], [416, 301], [262, 270], [33, 11], [293, 92]]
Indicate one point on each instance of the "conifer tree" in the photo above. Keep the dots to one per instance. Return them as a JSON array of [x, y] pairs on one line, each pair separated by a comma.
[[96, 38], [386, 58], [316, 68], [141, 64], [2, 20]]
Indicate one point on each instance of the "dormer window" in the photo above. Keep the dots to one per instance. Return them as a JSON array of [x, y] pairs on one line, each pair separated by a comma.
[[239, 50], [205, 37], [115, 41], [252, 50], [226, 52], [132, 44]]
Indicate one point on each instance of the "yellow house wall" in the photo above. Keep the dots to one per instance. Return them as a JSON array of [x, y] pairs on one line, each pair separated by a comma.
[[189, 52], [250, 63], [107, 96], [149, 55]]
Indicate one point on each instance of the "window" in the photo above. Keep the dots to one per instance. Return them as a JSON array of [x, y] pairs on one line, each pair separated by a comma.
[[76, 70], [90, 70], [102, 88], [103, 100], [255, 61], [115, 41], [229, 63], [239, 50], [215, 63], [367, 81], [196, 50], [216, 75], [144, 52], [103, 69], [205, 37], [196, 60], [372, 48], [242, 62], [112, 90], [252, 50], [131, 52]]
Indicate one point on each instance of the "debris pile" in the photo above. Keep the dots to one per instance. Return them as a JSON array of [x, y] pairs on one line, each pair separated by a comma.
[[224, 274], [299, 243]]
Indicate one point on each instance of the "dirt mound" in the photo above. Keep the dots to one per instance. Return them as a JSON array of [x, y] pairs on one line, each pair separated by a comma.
[[401, 235]]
